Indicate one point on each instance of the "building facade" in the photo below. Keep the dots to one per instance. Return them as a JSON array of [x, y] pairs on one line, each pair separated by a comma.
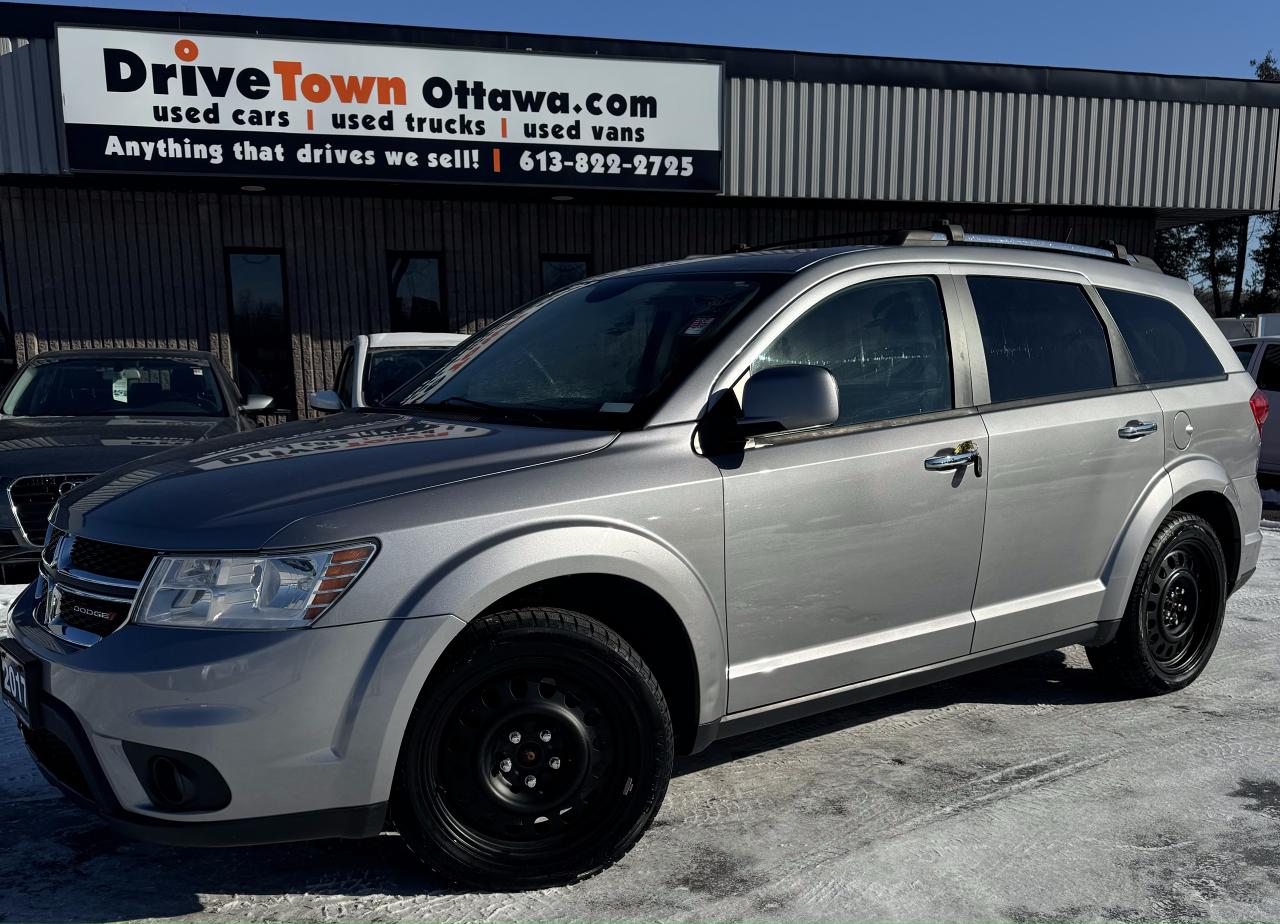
[[414, 184]]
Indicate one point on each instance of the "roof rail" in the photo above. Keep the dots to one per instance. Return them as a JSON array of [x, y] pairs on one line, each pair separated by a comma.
[[946, 232], [949, 233]]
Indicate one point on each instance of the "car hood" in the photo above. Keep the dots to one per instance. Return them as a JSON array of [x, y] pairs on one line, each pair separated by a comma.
[[88, 445], [237, 492]]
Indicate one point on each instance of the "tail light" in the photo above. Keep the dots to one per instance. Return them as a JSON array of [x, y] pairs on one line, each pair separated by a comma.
[[1258, 404]]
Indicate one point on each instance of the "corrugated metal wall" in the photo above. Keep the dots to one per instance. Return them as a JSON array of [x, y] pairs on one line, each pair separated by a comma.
[[116, 267], [793, 139], [837, 141], [29, 135]]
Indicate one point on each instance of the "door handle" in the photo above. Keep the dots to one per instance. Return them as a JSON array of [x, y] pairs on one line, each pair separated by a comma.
[[1136, 429], [962, 456]]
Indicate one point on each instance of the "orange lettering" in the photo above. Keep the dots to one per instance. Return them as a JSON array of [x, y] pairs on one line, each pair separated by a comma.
[[353, 89], [315, 88], [288, 72], [391, 91]]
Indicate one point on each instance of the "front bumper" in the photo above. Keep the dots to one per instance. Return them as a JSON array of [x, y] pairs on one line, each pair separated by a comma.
[[301, 726]]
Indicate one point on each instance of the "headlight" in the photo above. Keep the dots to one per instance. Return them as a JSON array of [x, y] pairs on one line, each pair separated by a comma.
[[249, 591]]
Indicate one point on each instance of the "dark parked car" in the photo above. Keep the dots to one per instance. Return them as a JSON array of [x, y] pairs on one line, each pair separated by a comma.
[[67, 416], [1260, 357]]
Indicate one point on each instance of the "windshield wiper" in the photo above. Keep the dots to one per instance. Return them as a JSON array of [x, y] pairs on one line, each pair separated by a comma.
[[502, 410]]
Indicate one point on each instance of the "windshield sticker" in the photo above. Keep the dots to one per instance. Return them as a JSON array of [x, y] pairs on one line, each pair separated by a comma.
[[616, 407], [698, 325], [415, 431]]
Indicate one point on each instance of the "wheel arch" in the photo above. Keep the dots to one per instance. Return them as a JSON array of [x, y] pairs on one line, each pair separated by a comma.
[[1197, 485], [1220, 513], [628, 579]]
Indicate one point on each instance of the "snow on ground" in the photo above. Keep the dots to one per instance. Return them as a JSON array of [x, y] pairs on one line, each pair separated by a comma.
[[1026, 792]]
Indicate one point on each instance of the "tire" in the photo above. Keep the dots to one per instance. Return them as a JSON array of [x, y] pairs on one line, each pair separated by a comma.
[[462, 800], [1174, 616]]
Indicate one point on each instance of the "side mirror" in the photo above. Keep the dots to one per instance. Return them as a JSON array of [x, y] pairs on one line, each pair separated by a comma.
[[256, 404], [327, 401], [788, 398]]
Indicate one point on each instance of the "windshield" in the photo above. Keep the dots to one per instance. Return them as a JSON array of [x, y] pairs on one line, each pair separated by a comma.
[[600, 355], [387, 368], [110, 386]]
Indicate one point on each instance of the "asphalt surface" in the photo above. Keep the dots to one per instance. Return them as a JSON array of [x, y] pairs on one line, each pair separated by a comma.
[[1027, 792]]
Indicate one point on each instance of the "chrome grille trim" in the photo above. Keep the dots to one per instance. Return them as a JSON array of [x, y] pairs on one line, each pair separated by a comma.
[[69, 633], [57, 572], [55, 480]]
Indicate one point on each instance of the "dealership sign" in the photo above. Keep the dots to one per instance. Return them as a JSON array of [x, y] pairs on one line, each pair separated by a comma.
[[190, 103]]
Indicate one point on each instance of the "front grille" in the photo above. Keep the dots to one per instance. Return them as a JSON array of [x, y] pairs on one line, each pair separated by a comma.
[[56, 758], [88, 586], [96, 615], [33, 496], [109, 560]]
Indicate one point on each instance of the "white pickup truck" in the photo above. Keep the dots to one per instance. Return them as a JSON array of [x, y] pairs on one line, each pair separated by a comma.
[[374, 365]]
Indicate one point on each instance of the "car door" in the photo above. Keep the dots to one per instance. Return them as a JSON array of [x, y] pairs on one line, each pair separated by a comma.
[[1074, 445], [1268, 379], [846, 558]]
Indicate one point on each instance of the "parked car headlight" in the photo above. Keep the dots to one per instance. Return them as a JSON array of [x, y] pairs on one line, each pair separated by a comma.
[[249, 591]]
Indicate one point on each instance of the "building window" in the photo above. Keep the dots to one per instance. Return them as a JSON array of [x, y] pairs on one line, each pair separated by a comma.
[[261, 343], [8, 360], [560, 270], [417, 296]]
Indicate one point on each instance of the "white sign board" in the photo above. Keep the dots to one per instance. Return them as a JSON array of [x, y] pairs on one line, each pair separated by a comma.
[[191, 103]]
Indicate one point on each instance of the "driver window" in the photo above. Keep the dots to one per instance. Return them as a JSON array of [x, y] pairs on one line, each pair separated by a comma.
[[884, 341]]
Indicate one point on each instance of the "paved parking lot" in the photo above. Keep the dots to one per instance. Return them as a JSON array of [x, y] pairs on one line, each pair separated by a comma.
[[1025, 792]]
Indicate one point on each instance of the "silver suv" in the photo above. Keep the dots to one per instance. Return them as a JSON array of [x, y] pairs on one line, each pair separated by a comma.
[[654, 509]]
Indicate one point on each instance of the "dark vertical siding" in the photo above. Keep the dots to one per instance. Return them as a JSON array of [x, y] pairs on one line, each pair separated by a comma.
[[90, 267]]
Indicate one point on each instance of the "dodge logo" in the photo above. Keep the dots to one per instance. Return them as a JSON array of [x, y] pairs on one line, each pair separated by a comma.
[[85, 611]]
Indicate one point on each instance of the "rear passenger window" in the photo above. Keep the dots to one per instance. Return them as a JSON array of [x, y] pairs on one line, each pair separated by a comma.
[[1041, 338], [1269, 371], [1244, 353], [884, 341], [1164, 343]]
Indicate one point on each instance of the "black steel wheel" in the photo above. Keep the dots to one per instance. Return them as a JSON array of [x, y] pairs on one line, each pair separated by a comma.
[[1175, 611], [540, 754]]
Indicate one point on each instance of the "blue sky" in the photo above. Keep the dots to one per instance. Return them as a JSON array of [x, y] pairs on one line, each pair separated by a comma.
[[1175, 36]]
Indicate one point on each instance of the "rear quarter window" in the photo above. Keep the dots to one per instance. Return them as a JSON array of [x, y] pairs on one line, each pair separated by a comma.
[[1164, 343]]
